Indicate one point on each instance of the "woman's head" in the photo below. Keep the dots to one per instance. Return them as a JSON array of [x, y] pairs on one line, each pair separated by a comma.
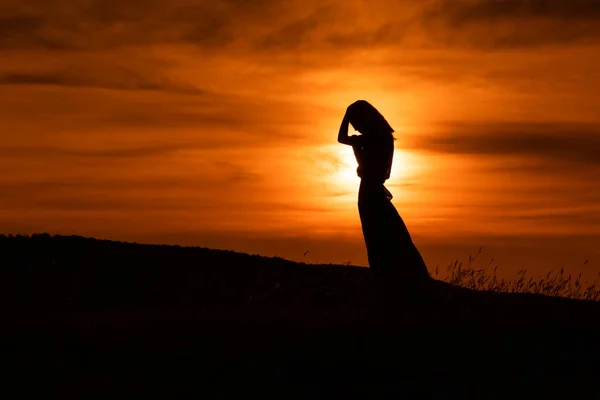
[[367, 120]]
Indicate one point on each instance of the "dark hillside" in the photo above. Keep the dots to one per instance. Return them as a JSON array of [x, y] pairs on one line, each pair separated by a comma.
[[87, 314]]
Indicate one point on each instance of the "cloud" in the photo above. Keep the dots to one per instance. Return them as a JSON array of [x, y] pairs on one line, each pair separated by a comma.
[[48, 152], [236, 173], [577, 143], [296, 33], [104, 24], [270, 26], [265, 26], [321, 31], [511, 23], [50, 186], [88, 204], [115, 78], [21, 31], [462, 12], [201, 121]]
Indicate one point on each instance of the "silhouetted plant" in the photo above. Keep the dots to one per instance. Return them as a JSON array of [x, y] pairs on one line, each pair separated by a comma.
[[556, 284]]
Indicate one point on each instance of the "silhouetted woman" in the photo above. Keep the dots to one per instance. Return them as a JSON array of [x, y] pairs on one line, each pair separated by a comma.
[[395, 261]]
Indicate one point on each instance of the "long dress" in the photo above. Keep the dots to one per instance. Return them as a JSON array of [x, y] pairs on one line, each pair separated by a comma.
[[393, 257]]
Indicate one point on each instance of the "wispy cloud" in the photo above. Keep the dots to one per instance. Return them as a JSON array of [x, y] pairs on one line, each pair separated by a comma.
[[50, 153], [462, 12], [121, 79], [576, 143], [98, 24], [312, 26], [511, 24]]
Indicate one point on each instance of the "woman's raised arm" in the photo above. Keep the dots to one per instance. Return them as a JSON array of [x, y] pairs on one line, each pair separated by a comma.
[[343, 134]]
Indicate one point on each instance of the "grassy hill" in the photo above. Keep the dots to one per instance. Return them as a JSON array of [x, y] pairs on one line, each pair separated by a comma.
[[99, 315]]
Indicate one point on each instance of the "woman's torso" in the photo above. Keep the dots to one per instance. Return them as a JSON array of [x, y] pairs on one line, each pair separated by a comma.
[[374, 155]]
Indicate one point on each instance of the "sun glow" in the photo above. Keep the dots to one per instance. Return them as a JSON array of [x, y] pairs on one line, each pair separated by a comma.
[[343, 174]]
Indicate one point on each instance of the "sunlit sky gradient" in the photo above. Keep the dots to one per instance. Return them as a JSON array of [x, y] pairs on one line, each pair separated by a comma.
[[214, 123]]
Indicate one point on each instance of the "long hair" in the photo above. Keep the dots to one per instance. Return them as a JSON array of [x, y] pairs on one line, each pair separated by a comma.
[[362, 113]]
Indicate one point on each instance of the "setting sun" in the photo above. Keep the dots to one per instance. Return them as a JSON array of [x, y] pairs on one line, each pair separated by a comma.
[[403, 167], [345, 175]]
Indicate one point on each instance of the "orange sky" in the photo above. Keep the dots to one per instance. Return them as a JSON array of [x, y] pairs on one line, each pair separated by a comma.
[[215, 123]]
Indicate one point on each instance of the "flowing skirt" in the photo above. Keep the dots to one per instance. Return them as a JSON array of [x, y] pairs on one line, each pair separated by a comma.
[[392, 255]]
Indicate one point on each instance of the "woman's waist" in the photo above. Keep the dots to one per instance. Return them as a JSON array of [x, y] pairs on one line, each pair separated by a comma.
[[373, 187], [375, 174]]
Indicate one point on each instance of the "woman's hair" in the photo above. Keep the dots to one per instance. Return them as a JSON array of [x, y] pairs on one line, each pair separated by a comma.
[[361, 113]]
